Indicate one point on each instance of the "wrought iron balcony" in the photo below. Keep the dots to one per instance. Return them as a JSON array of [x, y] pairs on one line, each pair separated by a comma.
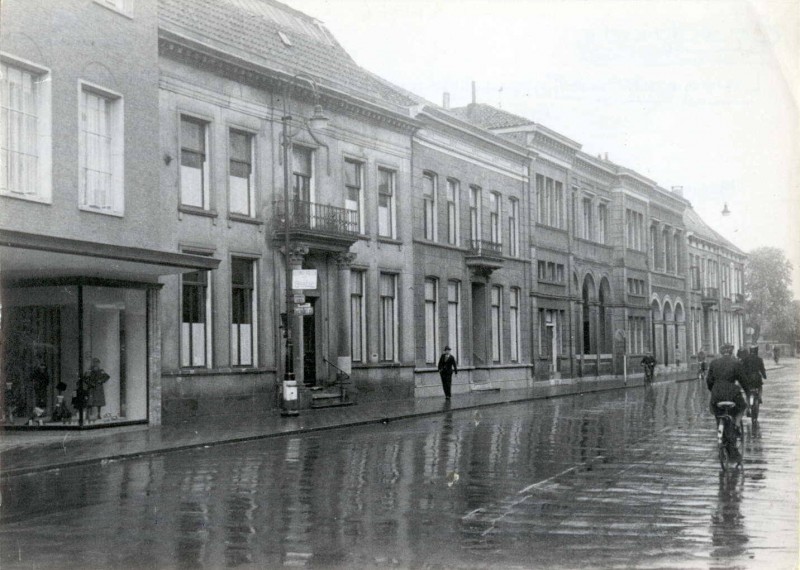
[[485, 247], [710, 296], [314, 223], [484, 256]]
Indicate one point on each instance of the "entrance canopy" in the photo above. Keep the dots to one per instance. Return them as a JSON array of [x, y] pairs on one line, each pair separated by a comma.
[[25, 256]]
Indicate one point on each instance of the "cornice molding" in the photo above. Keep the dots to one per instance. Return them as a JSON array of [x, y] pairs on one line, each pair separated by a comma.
[[213, 59]]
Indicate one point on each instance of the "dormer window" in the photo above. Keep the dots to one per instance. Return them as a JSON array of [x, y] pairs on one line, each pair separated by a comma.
[[285, 39]]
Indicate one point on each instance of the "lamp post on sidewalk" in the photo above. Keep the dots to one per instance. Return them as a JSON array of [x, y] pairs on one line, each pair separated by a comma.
[[318, 121]]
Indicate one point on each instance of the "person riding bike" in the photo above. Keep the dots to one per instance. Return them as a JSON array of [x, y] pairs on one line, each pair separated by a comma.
[[649, 364], [701, 363], [754, 371], [724, 380]]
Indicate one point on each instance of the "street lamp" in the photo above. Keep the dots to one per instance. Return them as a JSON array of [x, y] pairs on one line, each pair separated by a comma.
[[318, 121]]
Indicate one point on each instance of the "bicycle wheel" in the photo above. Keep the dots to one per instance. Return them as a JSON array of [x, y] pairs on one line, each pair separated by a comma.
[[723, 456]]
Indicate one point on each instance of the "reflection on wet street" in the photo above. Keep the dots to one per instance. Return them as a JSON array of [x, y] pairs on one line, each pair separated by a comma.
[[616, 479]]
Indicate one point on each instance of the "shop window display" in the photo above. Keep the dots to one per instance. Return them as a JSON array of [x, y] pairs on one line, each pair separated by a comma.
[[74, 356]]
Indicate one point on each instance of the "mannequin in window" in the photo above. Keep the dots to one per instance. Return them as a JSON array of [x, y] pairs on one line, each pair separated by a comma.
[[93, 380]]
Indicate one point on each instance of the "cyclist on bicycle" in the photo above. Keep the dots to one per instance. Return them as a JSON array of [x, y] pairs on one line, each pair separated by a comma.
[[724, 379], [754, 371], [702, 364], [649, 364]]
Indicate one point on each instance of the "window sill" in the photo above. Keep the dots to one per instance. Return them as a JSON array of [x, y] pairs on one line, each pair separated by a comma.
[[245, 219], [593, 242], [389, 240], [101, 211], [548, 282], [26, 198], [195, 211]]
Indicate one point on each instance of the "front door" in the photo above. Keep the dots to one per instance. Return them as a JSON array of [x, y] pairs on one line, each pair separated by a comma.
[[310, 345]]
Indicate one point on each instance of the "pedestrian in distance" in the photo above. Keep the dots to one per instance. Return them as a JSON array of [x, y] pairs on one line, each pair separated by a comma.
[[755, 373], [447, 367], [649, 365]]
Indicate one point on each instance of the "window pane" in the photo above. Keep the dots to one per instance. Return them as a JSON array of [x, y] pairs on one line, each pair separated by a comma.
[[301, 160]]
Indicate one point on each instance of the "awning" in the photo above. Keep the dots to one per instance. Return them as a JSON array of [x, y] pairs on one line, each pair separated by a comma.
[[26, 256]]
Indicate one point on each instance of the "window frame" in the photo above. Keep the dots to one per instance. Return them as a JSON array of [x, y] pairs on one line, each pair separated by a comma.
[[495, 217], [359, 276], [453, 221], [360, 175], [391, 209], [205, 169], [381, 318], [115, 109], [431, 328], [254, 317], [429, 233], [208, 321], [252, 208], [454, 328], [514, 306], [42, 182], [496, 320], [513, 227]]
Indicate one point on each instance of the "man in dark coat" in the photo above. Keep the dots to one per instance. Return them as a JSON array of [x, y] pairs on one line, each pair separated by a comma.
[[725, 379], [447, 367], [754, 371]]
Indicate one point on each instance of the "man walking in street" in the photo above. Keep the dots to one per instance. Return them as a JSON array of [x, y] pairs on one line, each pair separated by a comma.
[[447, 367]]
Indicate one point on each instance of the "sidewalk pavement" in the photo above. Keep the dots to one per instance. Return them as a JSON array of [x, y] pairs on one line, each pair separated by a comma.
[[24, 452]]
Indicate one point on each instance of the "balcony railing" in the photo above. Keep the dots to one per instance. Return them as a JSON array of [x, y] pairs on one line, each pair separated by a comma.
[[710, 295], [485, 247], [316, 218]]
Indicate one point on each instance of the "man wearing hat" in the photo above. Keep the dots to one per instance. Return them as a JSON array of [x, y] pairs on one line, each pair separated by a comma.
[[725, 379], [447, 367]]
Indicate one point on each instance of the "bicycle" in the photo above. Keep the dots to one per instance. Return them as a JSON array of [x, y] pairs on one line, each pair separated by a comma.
[[754, 399], [730, 438]]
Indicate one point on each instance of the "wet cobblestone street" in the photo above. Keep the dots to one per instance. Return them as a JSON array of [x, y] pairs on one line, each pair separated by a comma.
[[625, 478]]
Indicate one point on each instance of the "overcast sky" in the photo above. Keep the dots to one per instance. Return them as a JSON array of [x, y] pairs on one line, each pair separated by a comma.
[[692, 93]]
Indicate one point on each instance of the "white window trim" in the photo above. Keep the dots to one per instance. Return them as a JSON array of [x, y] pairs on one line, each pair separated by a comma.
[[209, 320], [361, 275], [395, 324], [117, 148], [435, 180], [44, 102], [361, 190]]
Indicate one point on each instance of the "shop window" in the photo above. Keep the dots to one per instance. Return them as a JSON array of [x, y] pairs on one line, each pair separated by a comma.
[[74, 356]]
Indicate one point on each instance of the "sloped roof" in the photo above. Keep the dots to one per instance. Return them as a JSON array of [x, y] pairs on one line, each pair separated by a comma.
[[695, 224], [489, 117], [276, 36]]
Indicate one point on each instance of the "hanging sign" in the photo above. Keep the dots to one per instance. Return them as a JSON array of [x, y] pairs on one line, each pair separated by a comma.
[[304, 279]]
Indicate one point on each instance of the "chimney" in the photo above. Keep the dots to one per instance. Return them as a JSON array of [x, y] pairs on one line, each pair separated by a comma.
[[474, 98], [446, 100], [677, 190], [605, 157]]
